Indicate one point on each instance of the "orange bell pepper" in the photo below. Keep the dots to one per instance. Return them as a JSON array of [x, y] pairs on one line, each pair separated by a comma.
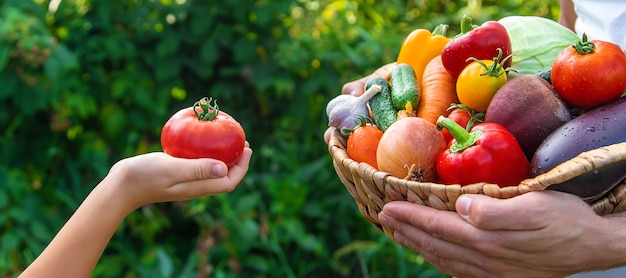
[[421, 46]]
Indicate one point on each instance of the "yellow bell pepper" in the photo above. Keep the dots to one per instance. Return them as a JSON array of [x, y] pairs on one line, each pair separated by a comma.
[[421, 46]]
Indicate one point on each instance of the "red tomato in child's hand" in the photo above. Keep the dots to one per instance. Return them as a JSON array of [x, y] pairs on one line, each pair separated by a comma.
[[592, 77], [217, 135]]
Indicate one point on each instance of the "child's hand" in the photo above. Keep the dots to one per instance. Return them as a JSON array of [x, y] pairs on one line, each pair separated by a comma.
[[159, 177], [130, 184]]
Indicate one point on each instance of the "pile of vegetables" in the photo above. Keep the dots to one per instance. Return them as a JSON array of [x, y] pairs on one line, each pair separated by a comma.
[[500, 102]]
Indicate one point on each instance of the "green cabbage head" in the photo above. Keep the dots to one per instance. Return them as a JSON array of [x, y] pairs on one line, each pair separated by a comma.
[[535, 42]]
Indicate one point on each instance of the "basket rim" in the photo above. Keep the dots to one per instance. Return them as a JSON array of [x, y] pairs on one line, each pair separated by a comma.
[[585, 162]]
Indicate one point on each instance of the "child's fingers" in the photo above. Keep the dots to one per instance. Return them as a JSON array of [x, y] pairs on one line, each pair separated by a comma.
[[208, 187], [239, 170], [189, 170]]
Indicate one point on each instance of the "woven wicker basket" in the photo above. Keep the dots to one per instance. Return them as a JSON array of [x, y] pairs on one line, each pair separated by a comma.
[[371, 188]]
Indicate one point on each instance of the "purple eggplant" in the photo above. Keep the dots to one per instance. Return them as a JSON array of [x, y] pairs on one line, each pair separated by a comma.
[[599, 127]]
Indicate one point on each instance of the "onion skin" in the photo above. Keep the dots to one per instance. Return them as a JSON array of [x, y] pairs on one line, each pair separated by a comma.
[[409, 149]]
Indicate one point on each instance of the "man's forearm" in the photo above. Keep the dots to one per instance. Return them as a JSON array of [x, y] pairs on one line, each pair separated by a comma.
[[567, 16]]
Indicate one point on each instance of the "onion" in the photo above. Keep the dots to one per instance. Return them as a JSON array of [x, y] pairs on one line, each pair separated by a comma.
[[409, 149]]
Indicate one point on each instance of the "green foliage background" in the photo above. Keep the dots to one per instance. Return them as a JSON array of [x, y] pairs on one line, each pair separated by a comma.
[[85, 83]]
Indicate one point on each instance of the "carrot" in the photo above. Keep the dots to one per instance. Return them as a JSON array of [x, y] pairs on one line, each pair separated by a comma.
[[438, 91]]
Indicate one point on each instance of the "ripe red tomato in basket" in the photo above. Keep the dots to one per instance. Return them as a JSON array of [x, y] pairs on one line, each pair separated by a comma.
[[461, 117], [590, 73], [203, 131], [464, 116], [363, 143]]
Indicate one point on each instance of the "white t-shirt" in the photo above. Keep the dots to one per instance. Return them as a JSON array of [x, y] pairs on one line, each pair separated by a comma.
[[602, 20]]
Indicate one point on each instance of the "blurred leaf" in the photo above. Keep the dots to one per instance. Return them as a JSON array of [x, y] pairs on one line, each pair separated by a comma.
[[60, 62], [120, 87], [200, 67], [9, 241], [310, 243], [245, 50], [81, 104], [113, 120], [4, 201], [354, 247], [202, 21], [209, 51], [167, 46], [9, 83], [4, 56], [165, 263], [31, 100], [259, 263], [167, 68], [250, 229], [39, 231]]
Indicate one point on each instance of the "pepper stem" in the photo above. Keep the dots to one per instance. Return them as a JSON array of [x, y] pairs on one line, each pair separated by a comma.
[[441, 30], [466, 25], [209, 112], [464, 139]]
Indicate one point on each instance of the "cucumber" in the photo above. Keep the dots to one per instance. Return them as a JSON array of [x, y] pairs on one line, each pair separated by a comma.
[[381, 105], [545, 74], [404, 89]]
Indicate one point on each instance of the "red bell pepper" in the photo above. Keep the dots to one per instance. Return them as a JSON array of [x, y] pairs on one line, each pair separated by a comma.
[[488, 153], [480, 42]]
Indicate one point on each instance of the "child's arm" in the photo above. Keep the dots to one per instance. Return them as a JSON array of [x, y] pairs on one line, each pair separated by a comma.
[[130, 184]]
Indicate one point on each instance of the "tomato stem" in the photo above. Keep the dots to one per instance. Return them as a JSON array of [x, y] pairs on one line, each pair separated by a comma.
[[464, 139], [584, 46], [209, 112], [497, 68], [475, 116]]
